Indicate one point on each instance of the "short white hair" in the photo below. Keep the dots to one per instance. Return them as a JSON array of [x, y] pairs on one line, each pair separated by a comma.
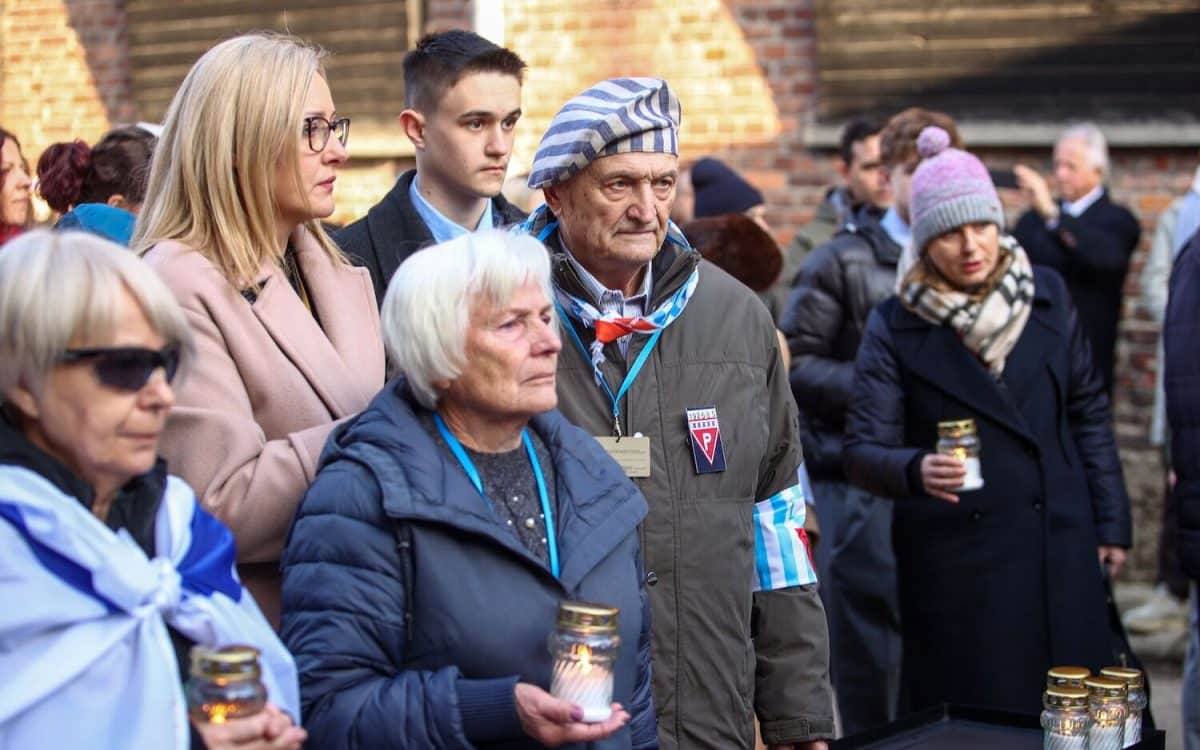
[[427, 308], [55, 286], [1095, 145]]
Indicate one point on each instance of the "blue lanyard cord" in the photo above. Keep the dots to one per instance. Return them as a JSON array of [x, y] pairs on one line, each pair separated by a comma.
[[543, 495], [631, 376]]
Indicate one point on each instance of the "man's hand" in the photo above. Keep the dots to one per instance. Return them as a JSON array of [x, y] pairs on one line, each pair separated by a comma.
[[812, 745], [1033, 186], [1113, 557], [941, 475], [553, 722]]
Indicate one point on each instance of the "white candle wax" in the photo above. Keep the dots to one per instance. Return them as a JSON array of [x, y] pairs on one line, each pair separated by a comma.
[[974, 478], [1133, 728], [587, 684], [1106, 738], [1054, 741]]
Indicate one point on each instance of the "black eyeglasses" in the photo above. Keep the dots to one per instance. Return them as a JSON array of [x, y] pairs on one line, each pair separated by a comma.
[[318, 129], [127, 368]]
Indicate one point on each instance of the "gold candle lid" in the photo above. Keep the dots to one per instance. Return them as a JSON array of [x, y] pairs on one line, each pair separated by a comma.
[[586, 617], [1131, 677], [1064, 676], [956, 428], [227, 663], [1067, 697], [1105, 688]]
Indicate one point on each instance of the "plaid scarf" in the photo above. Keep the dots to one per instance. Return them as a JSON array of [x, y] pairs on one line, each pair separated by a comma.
[[989, 322]]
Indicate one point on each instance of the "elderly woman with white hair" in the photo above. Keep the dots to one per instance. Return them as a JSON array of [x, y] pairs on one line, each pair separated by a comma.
[[111, 570], [449, 520]]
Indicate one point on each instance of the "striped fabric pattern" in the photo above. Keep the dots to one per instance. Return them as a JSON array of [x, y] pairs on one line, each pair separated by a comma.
[[781, 550], [620, 115]]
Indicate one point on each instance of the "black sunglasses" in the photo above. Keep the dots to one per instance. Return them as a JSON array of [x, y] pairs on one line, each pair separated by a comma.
[[127, 368]]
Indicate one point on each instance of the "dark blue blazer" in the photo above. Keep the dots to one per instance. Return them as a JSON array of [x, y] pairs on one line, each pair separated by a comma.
[[1007, 583]]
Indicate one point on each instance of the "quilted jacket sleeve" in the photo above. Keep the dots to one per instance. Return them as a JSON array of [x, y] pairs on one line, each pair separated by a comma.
[[874, 455], [343, 600], [1181, 332]]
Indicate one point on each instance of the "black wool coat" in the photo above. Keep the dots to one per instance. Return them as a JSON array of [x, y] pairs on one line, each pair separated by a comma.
[[1092, 253], [996, 589], [393, 230]]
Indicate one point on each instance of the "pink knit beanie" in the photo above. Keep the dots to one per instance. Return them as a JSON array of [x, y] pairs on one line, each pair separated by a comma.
[[949, 189]]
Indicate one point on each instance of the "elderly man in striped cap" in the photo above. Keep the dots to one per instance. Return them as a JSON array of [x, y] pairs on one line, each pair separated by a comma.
[[674, 367]]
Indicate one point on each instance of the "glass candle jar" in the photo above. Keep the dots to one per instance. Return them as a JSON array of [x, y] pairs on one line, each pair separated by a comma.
[[1135, 684], [584, 648], [1067, 677], [1106, 705], [1065, 721], [225, 684], [959, 439]]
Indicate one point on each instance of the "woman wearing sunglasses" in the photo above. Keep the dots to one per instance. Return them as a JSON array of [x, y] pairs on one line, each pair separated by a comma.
[[110, 571], [287, 331]]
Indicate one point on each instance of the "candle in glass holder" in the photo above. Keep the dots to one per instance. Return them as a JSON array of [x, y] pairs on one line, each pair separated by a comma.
[[1067, 677], [225, 684], [584, 647], [1065, 721], [959, 439], [1136, 699], [1106, 705]]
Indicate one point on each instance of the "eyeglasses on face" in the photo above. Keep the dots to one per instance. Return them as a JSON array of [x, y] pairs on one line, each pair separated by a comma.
[[127, 368], [317, 130]]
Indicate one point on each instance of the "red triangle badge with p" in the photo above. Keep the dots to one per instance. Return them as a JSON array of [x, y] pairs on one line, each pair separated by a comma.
[[704, 429]]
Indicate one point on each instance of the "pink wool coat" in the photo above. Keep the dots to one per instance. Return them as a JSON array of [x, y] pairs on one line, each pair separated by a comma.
[[267, 387]]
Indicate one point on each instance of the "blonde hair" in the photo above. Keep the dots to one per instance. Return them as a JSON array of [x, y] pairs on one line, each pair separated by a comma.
[[58, 285], [427, 308], [236, 114]]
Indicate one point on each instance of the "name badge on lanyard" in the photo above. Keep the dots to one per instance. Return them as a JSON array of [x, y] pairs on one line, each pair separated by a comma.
[[704, 429]]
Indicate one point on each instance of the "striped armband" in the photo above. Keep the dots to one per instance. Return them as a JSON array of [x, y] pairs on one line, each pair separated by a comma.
[[781, 550]]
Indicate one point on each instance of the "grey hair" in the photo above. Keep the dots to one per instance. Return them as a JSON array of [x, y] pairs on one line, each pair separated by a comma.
[[427, 308], [1095, 145], [56, 286]]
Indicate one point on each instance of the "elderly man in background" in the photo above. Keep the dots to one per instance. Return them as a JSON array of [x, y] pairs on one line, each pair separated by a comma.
[[675, 367], [1084, 236]]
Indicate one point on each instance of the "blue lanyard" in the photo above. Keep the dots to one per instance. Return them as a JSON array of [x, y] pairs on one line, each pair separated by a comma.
[[469, 467], [634, 371]]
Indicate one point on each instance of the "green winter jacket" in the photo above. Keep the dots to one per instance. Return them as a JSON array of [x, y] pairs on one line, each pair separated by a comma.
[[721, 653]]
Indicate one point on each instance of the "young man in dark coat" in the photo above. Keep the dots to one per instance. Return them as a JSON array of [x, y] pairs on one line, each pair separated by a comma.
[[839, 285], [462, 98], [1084, 236]]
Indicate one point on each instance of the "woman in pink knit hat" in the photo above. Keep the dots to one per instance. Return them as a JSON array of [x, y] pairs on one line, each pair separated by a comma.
[[1000, 556]]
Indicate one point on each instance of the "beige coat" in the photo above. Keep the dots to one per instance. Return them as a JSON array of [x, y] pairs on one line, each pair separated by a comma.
[[267, 387]]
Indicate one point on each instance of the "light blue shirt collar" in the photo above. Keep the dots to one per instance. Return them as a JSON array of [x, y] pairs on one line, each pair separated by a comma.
[[896, 227], [1076, 208], [440, 227]]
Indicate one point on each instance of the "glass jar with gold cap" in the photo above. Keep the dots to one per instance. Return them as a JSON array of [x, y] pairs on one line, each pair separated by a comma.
[[1106, 705], [225, 684], [959, 439], [1135, 684], [1066, 720], [1067, 677], [584, 647]]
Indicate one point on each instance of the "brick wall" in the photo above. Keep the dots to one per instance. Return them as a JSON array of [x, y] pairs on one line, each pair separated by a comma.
[[744, 71]]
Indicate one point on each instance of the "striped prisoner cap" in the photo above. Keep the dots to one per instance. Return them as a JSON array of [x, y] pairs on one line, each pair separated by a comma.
[[617, 116]]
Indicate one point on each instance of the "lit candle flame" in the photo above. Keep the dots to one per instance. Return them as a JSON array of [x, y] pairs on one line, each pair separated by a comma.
[[585, 659]]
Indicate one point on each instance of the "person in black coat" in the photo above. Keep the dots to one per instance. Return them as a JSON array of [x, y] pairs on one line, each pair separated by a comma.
[[1000, 583], [1085, 237], [462, 98], [449, 520]]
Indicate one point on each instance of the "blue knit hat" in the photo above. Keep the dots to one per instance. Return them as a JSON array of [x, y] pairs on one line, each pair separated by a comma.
[[720, 190], [618, 116]]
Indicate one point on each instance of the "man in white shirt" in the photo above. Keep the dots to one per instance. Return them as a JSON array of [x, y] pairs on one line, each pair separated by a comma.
[[1084, 235]]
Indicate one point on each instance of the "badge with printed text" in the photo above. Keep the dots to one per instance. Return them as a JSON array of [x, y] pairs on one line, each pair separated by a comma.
[[705, 432]]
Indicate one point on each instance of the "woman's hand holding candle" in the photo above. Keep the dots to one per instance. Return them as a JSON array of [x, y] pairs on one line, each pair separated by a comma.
[[552, 721]]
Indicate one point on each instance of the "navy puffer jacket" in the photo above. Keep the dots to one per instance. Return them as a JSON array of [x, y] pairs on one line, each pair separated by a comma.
[[412, 612]]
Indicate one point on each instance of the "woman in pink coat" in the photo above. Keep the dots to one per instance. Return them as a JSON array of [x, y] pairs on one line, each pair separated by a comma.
[[287, 330]]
